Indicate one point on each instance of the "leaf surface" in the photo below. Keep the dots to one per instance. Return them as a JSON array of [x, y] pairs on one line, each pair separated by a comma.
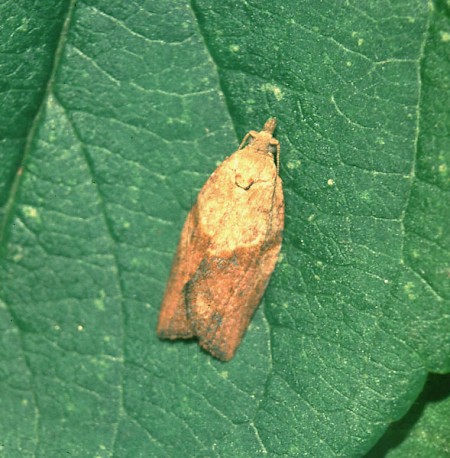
[[130, 109]]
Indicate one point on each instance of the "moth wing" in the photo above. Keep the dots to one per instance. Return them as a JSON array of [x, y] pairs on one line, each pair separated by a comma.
[[224, 294], [173, 322], [214, 297]]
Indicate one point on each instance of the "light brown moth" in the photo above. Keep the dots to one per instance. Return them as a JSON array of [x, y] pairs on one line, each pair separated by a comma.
[[228, 249]]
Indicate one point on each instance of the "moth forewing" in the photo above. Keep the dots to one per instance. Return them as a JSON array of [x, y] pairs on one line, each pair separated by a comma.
[[234, 231]]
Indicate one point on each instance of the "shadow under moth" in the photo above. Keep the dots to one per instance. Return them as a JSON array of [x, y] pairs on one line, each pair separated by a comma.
[[228, 249]]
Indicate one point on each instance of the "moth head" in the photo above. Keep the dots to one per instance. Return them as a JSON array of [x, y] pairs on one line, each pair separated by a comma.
[[263, 141]]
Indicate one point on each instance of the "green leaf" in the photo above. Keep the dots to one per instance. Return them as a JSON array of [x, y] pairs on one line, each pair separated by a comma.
[[28, 41], [113, 115], [425, 430]]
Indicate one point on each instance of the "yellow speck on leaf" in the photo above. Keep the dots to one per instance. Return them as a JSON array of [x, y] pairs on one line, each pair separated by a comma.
[[31, 212], [445, 36], [272, 88]]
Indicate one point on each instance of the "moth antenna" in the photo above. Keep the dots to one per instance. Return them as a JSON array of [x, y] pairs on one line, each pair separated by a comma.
[[278, 160], [243, 141]]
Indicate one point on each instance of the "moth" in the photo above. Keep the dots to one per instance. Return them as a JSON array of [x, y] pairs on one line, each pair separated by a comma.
[[228, 249]]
